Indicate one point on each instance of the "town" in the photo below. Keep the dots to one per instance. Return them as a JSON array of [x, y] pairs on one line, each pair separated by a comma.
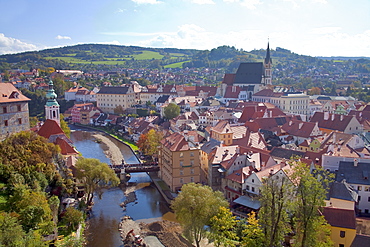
[[232, 136]]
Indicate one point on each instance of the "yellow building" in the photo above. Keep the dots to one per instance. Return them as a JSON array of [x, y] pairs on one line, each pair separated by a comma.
[[179, 159], [343, 225], [108, 98], [14, 115]]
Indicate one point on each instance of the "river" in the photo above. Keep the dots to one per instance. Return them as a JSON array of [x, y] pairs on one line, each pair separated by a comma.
[[106, 214]]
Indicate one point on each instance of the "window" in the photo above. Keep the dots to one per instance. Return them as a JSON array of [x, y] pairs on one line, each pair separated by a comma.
[[191, 162], [181, 163], [192, 179], [341, 245], [253, 189], [366, 188], [247, 187], [5, 110], [359, 188], [19, 108], [366, 211], [20, 120], [6, 123], [191, 154], [181, 155], [181, 180], [252, 180], [359, 198], [192, 171], [342, 234], [181, 172], [368, 199]]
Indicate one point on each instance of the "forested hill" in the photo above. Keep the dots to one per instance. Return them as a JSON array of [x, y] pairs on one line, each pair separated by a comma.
[[88, 57]]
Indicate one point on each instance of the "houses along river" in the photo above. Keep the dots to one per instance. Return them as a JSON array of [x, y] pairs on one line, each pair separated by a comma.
[[106, 213]]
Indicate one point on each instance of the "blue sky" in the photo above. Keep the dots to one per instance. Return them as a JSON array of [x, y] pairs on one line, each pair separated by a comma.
[[307, 27]]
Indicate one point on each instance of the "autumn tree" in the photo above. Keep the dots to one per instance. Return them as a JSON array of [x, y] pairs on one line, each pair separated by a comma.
[[252, 235], [30, 158], [71, 218], [315, 91], [194, 207], [95, 175], [171, 111], [148, 143], [310, 226], [222, 228], [276, 196], [64, 126]]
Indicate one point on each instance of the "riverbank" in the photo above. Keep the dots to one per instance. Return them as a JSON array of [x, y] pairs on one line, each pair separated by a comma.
[[111, 151]]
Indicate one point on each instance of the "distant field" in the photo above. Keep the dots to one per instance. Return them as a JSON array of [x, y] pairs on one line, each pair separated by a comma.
[[177, 54], [148, 55], [175, 65]]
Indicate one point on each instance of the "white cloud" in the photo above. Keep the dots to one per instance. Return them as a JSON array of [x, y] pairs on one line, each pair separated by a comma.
[[146, 1], [250, 4], [320, 1], [325, 30], [203, 1], [12, 45], [62, 37]]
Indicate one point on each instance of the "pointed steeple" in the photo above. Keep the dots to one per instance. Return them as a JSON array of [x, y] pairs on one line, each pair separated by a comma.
[[52, 105], [268, 57]]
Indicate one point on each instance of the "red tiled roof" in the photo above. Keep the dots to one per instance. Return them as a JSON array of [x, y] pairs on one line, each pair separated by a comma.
[[229, 79], [9, 93], [340, 217], [50, 127]]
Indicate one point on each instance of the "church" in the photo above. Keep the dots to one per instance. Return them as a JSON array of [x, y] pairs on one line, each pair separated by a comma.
[[250, 78]]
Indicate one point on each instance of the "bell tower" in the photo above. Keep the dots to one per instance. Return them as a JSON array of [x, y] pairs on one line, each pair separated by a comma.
[[52, 106], [268, 66]]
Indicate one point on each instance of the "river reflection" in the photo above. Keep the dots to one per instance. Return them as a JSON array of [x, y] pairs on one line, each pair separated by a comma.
[[106, 212]]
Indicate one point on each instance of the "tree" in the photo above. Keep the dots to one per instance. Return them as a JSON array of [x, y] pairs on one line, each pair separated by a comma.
[[64, 126], [95, 175], [118, 110], [252, 234], [194, 207], [171, 111], [275, 196], [315, 91], [11, 232], [148, 143], [310, 226], [71, 218], [222, 228]]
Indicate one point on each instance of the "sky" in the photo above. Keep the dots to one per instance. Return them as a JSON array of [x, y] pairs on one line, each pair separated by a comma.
[[306, 27]]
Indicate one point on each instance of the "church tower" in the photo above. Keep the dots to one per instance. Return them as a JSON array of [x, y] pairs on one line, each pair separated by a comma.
[[268, 66], [52, 106]]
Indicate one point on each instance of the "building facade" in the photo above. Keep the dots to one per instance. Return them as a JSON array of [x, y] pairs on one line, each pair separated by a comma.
[[14, 114], [108, 98]]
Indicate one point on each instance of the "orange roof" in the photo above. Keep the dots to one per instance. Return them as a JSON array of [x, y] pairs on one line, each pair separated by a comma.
[[9, 93]]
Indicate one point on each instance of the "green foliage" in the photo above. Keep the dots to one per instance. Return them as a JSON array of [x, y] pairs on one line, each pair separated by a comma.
[[310, 226], [194, 207], [64, 126], [222, 228], [37, 104], [95, 176], [171, 111], [71, 218], [11, 232]]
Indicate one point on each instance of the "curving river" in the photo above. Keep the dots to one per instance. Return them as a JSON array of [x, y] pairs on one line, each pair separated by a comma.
[[106, 214]]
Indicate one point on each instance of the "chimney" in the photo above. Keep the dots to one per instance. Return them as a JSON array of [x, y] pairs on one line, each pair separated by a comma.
[[332, 117], [290, 123], [326, 115], [341, 117], [270, 113], [300, 125], [355, 162]]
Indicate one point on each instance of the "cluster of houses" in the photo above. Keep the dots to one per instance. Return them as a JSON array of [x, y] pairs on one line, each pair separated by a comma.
[[230, 137]]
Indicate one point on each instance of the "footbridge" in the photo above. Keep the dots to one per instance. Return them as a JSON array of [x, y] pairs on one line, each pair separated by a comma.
[[132, 168]]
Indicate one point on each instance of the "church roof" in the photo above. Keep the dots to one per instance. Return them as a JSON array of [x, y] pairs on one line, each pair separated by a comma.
[[249, 73]]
